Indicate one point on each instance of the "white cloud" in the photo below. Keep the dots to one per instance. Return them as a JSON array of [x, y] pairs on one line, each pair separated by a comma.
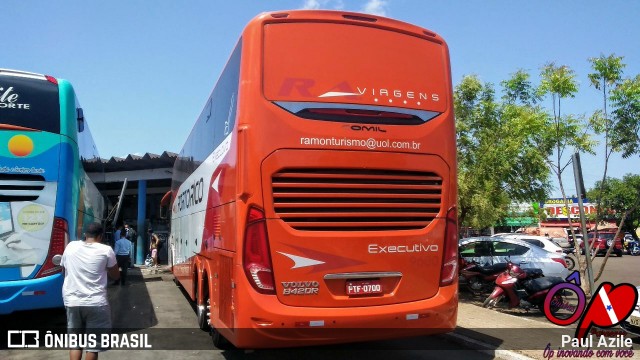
[[313, 4], [323, 4], [375, 7]]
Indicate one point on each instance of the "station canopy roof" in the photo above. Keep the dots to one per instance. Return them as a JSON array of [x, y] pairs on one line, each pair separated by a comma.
[[131, 162]]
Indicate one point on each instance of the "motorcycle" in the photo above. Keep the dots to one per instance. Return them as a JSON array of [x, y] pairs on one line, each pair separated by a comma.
[[632, 246], [479, 279], [524, 288]]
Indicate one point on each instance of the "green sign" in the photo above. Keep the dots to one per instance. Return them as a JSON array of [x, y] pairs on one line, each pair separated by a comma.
[[519, 221]]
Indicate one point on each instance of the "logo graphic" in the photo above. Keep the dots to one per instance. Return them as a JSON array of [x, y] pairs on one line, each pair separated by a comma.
[[21, 339], [20, 145], [300, 262], [338, 93], [366, 128], [610, 305], [9, 99], [307, 88], [33, 217], [300, 287], [329, 262]]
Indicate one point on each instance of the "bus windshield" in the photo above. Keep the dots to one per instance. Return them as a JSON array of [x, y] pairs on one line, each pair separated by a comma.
[[29, 103]]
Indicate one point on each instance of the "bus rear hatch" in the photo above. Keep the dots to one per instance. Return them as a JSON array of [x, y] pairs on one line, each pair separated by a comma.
[[361, 65], [345, 235], [29, 167]]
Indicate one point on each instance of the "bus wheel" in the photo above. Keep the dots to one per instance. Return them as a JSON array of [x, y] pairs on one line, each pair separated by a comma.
[[219, 341], [204, 311]]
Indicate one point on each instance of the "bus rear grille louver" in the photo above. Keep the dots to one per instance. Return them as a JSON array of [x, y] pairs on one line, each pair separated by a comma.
[[356, 199], [20, 187]]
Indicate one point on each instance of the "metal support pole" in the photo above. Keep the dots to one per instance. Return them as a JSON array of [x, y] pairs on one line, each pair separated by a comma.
[[142, 214], [577, 174]]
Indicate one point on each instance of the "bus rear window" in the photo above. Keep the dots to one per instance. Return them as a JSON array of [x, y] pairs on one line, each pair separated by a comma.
[[354, 64], [29, 103]]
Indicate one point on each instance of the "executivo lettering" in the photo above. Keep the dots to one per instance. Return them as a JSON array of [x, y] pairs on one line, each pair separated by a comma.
[[396, 249]]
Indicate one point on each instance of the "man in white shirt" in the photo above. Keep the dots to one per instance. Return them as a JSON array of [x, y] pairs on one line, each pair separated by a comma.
[[86, 267], [123, 252]]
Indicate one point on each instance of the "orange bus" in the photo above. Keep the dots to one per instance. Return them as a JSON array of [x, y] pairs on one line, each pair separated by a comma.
[[314, 200]]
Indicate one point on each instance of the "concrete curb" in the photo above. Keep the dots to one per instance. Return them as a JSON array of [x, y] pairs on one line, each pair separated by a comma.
[[485, 348]]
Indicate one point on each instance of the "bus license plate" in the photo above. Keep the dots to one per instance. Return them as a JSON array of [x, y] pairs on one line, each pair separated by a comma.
[[363, 287], [634, 320]]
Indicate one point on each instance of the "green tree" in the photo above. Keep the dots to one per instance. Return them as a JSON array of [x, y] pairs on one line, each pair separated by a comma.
[[498, 156], [625, 134], [565, 131], [620, 198], [607, 73], [519, 90]]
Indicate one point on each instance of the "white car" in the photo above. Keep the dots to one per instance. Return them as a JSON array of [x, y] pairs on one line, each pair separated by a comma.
[[541, 241], [497, 249], [632, 323]]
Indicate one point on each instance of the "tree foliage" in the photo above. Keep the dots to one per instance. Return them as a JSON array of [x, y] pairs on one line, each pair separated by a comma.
[[625, 134], [607, 73], [621, 199], [509, 147], [620, 196], [568, 132], [498, 156]]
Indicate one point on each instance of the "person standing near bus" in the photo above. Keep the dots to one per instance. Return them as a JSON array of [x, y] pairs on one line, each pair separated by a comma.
[[154, 249], [132, 236], [87, 265], [123, 256], [116, 235]]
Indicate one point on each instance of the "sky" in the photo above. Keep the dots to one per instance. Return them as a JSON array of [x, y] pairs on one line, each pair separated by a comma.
[[144, 69]]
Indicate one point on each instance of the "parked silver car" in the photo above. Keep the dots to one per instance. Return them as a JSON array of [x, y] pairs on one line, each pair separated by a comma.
[[544, 242], [632, 323], [491, 250]]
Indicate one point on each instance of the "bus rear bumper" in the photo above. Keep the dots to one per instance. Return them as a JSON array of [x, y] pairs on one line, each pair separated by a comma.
[[272, 324], [31, 294]]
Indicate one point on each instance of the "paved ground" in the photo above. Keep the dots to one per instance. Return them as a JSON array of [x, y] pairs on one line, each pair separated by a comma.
[[152, 302]]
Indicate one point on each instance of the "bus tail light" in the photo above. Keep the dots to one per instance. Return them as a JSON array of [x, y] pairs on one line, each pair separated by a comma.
[[256, 257], [51, 79], [450, 249], [59, 239]]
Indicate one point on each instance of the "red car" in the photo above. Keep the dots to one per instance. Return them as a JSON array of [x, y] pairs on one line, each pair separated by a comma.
[[603, 241]]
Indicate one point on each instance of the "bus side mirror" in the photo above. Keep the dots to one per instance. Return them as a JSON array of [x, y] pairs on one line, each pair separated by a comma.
[[165, 205], [80, 117]]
